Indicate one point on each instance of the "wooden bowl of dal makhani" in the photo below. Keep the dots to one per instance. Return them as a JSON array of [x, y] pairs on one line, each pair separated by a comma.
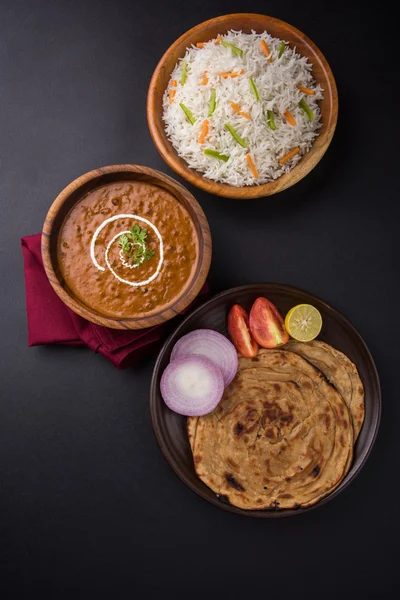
[[126, 247], [242, 106]]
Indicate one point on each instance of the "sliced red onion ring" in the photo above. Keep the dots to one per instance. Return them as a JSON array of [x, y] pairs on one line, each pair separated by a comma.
[[192, 386], [214, 346]]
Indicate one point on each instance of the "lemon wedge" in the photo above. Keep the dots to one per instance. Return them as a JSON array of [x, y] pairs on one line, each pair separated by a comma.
[[303, 322]]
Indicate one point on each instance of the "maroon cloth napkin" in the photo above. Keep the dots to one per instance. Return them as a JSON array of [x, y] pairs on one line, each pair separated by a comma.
[[51, 322]]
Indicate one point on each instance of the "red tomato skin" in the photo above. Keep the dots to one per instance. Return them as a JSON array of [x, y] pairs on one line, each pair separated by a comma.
[[239, 330], [267, 324]]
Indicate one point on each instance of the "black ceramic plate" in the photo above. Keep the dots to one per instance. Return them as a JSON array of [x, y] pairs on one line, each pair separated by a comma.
[[170, 428]]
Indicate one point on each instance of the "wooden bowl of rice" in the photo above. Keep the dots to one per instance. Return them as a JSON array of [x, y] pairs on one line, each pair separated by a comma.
[[246, 23]]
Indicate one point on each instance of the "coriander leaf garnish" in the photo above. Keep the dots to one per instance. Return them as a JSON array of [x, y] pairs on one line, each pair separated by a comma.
[[133, 246]]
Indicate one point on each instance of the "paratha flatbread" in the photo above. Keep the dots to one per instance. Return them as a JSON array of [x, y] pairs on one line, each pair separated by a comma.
[[280, 437], [340, 372]]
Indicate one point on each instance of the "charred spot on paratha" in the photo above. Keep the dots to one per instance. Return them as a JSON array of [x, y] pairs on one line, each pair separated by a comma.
[[230, 480], [286, 419], [239, 429], [316, 471], [272, 412], [224, 498]]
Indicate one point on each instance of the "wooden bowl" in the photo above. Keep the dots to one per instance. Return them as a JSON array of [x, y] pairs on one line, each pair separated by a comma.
[[94, 179], [170, 428], [245, 22]]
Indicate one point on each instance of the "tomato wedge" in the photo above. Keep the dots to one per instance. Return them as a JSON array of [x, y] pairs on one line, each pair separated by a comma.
[[266, 324], [239, 330]]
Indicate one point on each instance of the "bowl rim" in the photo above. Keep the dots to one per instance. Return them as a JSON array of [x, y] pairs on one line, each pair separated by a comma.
[[154, 414], [170, 156], [182, 302]]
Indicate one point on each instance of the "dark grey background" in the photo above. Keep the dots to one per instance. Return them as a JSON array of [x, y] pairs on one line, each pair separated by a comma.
[[88, 507]]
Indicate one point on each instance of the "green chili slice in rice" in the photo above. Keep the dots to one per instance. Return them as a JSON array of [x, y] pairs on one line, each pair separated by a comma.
[[188, 113], [184, 72], [235, 135], [213, 103], [215, 154], [271, 120], [303, 105], [234, 49], [254, 89]]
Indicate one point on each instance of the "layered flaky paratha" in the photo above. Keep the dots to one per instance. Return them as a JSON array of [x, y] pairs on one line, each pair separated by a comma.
[[281, 436], [341, 373]]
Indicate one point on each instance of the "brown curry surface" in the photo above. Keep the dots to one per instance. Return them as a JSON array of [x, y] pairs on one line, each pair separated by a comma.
[[101, 290]]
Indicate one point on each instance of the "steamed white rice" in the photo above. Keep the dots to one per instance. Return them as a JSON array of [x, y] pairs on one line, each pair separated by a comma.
[[276, 82]]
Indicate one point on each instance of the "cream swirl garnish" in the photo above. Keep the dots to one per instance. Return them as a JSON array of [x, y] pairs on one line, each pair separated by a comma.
[[118, 235]]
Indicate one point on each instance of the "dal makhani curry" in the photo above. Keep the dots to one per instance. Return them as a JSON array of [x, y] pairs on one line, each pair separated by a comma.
[[128, 249]]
